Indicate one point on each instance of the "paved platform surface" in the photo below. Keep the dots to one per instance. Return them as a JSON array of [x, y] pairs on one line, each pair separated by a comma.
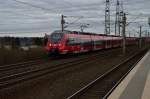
[[137, 83]]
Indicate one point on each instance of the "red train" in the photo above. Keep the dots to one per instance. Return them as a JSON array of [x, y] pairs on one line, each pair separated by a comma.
[[77, 42]]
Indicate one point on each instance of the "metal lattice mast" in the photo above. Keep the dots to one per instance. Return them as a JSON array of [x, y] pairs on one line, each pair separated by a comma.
[[121, 14], [117, 20], [107, 17]]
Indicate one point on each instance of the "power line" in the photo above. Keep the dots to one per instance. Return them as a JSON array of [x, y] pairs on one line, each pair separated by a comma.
[[55, 10], [74, 21], [35, 6], [23, 33]]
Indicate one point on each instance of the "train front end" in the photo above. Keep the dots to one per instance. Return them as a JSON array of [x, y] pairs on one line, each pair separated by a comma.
[[56, 44]]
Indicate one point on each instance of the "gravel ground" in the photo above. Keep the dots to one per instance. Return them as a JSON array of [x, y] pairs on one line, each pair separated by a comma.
[[64, 83], [17, 55], [47, 62]]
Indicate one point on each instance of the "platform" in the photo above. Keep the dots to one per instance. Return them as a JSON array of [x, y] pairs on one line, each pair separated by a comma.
[[137, 83]]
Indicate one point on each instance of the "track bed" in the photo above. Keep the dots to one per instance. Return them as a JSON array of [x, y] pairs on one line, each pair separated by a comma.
[[65, 82]]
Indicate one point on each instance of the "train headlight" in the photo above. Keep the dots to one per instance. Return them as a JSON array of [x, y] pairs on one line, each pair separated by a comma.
[[59, 44], [50, 45]]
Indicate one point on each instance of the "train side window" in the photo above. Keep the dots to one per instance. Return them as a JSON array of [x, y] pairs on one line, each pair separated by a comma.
[[99, 42], [70, 41], [78, 41]]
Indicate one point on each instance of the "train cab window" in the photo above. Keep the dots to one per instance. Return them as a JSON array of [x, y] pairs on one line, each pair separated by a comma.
[[56, 37]]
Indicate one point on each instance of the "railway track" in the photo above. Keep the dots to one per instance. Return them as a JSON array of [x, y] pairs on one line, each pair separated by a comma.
[[15, 78], [102, 87], [20, 65], [27, 64]]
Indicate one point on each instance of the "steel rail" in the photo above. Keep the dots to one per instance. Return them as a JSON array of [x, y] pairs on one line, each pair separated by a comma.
[[19, 65], [119, 81], [27, 63], [86, 87], [19, 77]]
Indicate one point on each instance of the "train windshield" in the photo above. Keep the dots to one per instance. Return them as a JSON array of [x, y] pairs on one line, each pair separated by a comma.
[[56, 37]]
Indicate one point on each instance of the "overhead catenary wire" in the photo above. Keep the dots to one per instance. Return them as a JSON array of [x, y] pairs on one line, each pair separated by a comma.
[[32, 5], [55, 9], [69, 9], [35, 6]]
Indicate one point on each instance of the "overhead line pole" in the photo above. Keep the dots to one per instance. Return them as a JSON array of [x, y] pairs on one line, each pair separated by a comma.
[[117, 20], [121, 12], [62, 23], [140, 37], [124, 33]]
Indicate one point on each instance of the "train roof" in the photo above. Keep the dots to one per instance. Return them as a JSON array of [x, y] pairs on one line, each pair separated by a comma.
[[77, 32], [84, 33], [64, 32]]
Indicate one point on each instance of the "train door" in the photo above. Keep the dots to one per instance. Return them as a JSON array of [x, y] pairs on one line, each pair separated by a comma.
[[108, 44]]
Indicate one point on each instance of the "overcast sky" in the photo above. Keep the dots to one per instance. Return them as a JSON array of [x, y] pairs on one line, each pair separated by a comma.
[[36, 17]]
